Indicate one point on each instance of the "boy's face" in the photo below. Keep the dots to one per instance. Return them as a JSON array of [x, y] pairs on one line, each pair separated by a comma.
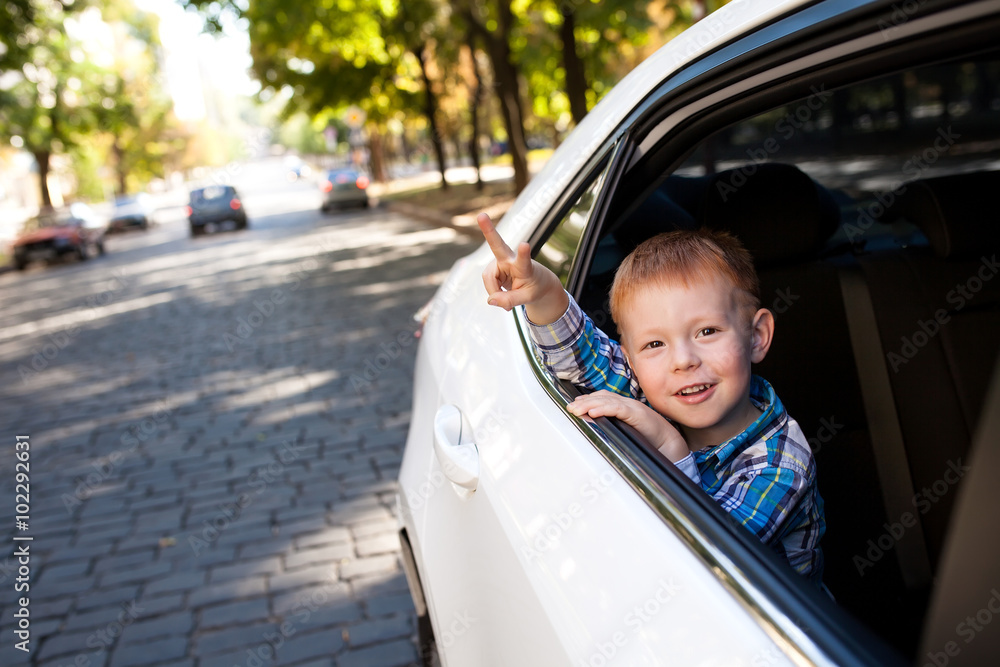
[[691, 350]]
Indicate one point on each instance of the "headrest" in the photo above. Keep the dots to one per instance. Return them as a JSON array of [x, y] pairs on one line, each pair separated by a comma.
[[777, 211], [957, 214]]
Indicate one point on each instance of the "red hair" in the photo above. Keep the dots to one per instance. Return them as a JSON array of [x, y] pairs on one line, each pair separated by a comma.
[[682, 257]]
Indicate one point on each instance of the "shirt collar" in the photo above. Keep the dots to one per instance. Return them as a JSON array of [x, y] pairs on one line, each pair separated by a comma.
[[763, 397]]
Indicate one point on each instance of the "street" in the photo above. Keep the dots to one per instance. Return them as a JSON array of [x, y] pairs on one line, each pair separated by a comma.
[[215, 426]]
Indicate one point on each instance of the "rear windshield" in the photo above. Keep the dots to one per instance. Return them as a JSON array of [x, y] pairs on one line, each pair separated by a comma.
[[210, 193]]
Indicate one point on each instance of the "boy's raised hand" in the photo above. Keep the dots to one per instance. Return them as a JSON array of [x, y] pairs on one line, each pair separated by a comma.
[[649, 423], [514, 279]]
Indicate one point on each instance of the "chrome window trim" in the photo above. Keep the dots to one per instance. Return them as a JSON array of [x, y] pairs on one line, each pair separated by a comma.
[[783, 631]]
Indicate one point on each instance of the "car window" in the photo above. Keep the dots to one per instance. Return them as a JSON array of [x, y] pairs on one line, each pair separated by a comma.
[[210, 193], [560, 250], [888, 179]]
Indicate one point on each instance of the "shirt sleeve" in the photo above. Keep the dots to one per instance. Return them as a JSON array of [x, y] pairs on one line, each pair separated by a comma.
[[765, 501], [576, 350], [689, 468]]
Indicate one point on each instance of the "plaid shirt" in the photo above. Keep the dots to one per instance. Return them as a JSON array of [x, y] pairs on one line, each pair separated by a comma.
[[765, 477]]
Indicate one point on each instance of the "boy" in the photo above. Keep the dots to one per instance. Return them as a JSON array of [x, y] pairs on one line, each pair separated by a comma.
[[687, 305]]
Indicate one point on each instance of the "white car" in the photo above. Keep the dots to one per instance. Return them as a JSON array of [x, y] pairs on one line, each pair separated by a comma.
[[853, 146]]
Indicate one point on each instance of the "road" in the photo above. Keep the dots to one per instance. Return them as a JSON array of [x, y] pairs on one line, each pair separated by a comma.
[[215, 426]]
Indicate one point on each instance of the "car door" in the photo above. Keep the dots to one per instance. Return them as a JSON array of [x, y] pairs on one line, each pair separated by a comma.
[[533, 547]]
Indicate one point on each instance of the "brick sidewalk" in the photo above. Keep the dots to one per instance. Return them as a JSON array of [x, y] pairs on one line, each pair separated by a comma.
[[209, 486]]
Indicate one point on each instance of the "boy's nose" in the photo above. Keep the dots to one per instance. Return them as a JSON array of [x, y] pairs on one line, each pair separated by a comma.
[[683, 358]]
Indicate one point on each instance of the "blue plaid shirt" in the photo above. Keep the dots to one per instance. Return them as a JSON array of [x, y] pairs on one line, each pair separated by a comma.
[[765, 477]]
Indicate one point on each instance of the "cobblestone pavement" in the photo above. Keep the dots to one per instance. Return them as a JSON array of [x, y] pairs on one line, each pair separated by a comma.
[[211, 483]]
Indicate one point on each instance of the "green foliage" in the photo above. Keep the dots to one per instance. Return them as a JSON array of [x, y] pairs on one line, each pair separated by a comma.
[[102, 103]]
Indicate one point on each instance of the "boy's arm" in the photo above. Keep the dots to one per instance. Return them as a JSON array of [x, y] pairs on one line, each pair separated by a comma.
[[574, 349], [569, 343]]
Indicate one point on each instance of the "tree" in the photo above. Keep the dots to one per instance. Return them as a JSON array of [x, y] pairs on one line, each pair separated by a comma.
[[44, 102], [415, 26], [134, 110], [493, 22], [337, 53]]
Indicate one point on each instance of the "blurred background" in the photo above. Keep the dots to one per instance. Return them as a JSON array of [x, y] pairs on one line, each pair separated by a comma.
[[106, 99]]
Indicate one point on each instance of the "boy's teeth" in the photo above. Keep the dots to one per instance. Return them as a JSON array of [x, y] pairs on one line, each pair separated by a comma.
[[693, 390]]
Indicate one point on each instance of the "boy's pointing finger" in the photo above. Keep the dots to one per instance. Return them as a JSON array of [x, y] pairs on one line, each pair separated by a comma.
[[499, 247]]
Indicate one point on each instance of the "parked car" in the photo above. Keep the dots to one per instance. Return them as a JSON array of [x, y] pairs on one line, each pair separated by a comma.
[[75, 231], [343, 187], [131, 212], [214, 208], [853, 147]]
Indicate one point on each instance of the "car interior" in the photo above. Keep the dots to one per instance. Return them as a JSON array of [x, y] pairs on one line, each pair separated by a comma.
[[868, 209]]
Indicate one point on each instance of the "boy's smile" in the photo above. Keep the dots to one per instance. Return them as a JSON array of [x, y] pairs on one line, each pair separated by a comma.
[[691, 348]]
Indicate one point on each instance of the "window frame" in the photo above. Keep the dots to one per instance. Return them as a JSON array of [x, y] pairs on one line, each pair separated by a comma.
[[810, 629]]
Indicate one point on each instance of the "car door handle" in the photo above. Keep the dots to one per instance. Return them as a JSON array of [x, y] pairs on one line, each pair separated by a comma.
[[458, 457]]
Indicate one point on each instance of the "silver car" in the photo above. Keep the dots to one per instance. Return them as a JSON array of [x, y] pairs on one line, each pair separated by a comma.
[[341, 188]]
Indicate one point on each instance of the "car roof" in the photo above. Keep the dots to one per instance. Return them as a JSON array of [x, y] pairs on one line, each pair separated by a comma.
[[732, 20]]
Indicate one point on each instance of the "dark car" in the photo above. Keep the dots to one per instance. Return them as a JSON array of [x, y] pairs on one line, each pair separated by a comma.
[[131, 212], [344, 187], [74, 231], [214, 208]]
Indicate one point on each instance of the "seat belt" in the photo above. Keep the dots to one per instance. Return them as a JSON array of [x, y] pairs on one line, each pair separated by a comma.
[[883, 424], [969, 569]]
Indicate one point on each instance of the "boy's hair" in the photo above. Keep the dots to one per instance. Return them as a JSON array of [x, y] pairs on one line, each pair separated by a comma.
[[686, 256]]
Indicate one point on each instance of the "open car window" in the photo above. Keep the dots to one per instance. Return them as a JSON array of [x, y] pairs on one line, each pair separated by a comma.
[[873, 197]]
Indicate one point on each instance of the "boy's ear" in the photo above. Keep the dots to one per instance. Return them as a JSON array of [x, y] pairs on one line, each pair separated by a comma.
[[761, 334]]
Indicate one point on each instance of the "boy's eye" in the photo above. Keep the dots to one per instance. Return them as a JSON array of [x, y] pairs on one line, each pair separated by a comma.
[[707, 331], [654, 344]]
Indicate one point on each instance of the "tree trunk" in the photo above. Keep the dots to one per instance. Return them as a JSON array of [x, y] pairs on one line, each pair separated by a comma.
[[42, 158], [122, 172], [576, 82], [430, 109], [509, 88], [375, 154], [477, 96]]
